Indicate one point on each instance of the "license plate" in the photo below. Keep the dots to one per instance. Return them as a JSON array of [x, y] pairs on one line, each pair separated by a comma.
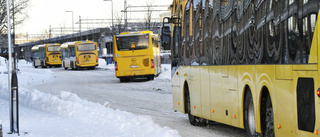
[[87, 61], [134, 66], [55, 60]]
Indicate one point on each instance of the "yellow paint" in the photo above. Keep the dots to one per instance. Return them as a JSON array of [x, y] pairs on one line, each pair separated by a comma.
[[225, 85], [84, 58], [51, 57], [137, 62]]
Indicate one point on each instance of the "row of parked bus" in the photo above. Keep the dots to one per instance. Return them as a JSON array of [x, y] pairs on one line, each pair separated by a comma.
[[136, 54], [74, 55]]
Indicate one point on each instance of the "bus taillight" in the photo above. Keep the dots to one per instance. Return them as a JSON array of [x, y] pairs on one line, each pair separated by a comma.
[[97, 58], [77, 60], [116, 66], [318, 92], [152, 63]]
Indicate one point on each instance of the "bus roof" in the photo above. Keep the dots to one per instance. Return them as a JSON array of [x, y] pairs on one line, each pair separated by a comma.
[[67, 44], [52, 44], [137, 32], [36, 47]]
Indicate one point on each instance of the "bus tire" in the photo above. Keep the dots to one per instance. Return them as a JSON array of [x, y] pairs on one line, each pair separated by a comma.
[[123, 80], [192, 119], [249, 118], [150, 77], [269, 125]]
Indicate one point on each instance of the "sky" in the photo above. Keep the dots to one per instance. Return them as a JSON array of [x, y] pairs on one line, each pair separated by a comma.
[[43, 13]]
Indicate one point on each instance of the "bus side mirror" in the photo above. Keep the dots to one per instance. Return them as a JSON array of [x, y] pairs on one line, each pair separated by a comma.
[[166, 20], [175, 20], [165, 38]]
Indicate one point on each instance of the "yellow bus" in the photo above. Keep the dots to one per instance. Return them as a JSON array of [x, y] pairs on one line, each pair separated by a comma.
[[136, 54], [79, 54], [248, 64], [46, 55]]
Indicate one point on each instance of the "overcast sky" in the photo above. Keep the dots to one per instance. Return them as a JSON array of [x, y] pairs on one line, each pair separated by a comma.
[[43, 13]]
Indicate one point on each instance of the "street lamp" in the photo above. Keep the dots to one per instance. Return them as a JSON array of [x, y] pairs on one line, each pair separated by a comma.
[[111, 11], [72, 21]]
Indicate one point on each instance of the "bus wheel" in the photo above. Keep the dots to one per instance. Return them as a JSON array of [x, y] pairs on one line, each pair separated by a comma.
[[124, 79], [269, 131], [249, 115], [150, 77], [192, 119]]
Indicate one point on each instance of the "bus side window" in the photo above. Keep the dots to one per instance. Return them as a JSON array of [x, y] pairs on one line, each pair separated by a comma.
[[42, 53], [309, 23], [72, 52], [63, 53], [67, 53], [293, 38], [155, 42]]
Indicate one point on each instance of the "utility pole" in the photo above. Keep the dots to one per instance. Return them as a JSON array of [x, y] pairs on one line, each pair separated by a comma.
[[79, 24], [111, 11], [72, 21], [125, 14], [49, 31], [12, 81]]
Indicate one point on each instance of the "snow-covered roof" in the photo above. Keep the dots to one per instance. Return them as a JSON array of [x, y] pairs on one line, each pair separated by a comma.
[[36, 47], [66, 44]]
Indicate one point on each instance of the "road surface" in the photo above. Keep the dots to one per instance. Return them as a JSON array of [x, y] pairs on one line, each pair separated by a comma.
[[141, 97]]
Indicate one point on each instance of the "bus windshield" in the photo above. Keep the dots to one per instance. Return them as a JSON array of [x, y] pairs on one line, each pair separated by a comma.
[[86, 47], [53, 48], [133, 42]]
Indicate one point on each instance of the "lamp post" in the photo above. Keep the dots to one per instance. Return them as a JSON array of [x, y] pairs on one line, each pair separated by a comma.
[[72, 21], [111, 11]]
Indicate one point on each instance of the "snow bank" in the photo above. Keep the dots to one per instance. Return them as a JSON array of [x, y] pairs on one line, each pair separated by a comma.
[[165, 72], [119, 122]]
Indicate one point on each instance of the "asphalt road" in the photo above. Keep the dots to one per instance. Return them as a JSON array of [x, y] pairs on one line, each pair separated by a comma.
[[141, 97]]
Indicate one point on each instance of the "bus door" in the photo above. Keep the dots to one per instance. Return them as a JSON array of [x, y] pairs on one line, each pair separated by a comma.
[[230, 93]]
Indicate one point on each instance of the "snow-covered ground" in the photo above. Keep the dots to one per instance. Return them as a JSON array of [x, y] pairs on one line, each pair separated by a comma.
[[66, 115]]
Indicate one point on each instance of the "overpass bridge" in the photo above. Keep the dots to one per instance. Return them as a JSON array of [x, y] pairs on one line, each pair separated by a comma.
[[103, 36]]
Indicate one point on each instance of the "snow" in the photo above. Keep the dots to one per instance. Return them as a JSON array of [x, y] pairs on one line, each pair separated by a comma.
[[66, 114]]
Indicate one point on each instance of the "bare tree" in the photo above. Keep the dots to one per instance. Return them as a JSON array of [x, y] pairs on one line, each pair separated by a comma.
[[44, 35], [18, 14], [118, 22], [148, 15]]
